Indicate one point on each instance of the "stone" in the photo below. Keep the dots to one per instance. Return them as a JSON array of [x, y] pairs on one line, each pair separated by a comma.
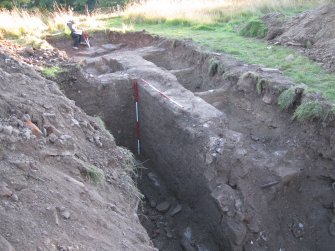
[[5, 245], [5, 192], [289, 58], [270, 70], [14, 197], [21, 164], [1, 128], [153, 203], [209, 159], [298, 229], [65, 214], [8, 130], [15, 132], [26, 117], [177, 209], [332, 227], [153, 177], [286, 174], [53, 138], [267, 100], [29, 50], [74, 122], [163, 206]]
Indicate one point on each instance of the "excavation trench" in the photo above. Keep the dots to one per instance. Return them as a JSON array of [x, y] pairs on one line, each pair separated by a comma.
[[224, 170]]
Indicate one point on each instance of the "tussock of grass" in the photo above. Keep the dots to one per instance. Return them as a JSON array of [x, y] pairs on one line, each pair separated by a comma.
[[313, 110], [130, 171], [95, 175], [101, 122], [287, 98], [52, 72], [254, 28]]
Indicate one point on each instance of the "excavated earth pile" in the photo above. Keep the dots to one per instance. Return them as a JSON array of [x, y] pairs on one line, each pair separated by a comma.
[[64, 184], [312, 32], [253, 178]]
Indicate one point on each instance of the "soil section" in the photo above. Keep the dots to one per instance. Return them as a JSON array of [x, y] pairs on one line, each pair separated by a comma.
[[255, 179]]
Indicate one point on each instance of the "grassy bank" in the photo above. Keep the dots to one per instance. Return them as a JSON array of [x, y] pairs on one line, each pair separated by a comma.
[[227, 36], [229, 26]]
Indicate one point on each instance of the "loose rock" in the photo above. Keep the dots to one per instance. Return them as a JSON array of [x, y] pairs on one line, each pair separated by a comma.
[[176, 210], [163, 206]]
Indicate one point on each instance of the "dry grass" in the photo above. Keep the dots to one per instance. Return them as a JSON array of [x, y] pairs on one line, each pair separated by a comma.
[[203, 11], [31, 27]]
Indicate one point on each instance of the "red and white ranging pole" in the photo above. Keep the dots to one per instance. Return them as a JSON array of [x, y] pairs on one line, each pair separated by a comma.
[[137, 118]]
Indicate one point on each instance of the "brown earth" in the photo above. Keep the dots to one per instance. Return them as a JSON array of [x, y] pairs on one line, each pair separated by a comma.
[[253, 178], [226, 171], [48, 150], [312, 32]]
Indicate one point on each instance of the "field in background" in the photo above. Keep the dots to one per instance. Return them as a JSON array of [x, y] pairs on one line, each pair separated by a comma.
[[32, 27], [222, 26], [207, 11]]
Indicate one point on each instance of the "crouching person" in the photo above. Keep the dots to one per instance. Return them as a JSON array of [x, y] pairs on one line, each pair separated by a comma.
[[75, 34]]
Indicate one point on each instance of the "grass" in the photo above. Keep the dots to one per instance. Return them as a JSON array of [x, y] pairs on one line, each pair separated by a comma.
[[225, 37], [313, 110], [95, 175], [287, 98], [204, 11], [100, 121], [30, 27], [52, 72], [255, 27]]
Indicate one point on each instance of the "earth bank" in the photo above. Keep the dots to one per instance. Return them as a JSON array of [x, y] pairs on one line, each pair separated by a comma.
[[254, 178], [64, 184]]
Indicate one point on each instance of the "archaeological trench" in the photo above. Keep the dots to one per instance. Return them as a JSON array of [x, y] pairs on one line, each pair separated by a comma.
[[228, 168]]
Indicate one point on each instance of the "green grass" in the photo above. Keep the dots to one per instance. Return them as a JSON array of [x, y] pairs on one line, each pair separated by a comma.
[[254, 28], [225, 37], [95, 175], [287, 98], [100, 121], [52, 72], [313, 110]]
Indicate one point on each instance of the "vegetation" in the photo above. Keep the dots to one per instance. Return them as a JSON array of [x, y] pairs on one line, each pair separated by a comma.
[[287, 98], [222, 26], [95, 175], [77, 5], [255, 27], [313, 110], [52, 72], [101, 122], [230, 30]]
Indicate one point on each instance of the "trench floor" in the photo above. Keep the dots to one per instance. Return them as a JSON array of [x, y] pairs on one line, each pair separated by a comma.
[[171, 224]]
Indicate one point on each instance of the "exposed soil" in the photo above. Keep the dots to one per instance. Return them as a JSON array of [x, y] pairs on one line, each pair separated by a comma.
[[243, 171], [223, 168], [312, 32], [48, 199]]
